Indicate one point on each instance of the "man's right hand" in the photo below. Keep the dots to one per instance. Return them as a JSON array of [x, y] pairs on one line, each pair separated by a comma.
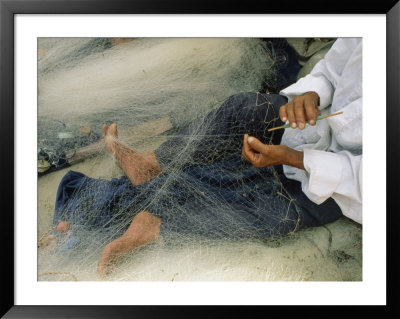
[[301, 109]]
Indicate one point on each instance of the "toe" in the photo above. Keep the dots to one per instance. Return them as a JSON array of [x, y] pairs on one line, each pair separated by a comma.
[[101, 270], [113, 130], [105, 129]]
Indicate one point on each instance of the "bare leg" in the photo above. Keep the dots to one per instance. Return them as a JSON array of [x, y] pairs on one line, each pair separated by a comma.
[[144, 229], [138, 167]]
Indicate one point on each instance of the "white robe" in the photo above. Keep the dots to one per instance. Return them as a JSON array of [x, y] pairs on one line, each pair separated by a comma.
[[333, 147]]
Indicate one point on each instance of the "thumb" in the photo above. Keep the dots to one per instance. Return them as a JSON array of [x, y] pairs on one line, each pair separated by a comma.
[[255, 144]]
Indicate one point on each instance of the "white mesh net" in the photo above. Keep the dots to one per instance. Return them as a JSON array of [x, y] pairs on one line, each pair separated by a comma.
[[166, 95]]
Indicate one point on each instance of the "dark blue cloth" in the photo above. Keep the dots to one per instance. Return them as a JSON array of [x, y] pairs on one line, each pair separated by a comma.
[[228, 199], [93, 203]]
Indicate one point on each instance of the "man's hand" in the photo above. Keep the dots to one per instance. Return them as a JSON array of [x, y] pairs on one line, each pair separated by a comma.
[[301, 108], [262, 155]]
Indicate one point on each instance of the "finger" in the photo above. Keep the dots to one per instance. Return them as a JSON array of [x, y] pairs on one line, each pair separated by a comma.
[[256, 160], [290, 114], [282, 113], [248, 152], [311, 111], [245, 146], [256, 145], [299, 113]]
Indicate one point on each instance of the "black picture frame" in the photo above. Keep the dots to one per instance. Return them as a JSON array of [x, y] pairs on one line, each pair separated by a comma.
[[9, 8]]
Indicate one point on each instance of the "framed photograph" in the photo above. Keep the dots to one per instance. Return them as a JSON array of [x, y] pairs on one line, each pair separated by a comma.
[[132, 184]]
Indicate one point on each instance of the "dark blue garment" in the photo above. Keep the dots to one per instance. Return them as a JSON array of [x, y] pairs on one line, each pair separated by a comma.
[[228, 199], [90, 202]]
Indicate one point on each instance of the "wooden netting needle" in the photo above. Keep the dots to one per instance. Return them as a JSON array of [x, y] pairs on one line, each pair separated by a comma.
[[318, 118]]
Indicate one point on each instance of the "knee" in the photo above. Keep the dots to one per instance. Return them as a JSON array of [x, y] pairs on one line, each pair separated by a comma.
[[235, 104], [277, 100], [254, 99], [241, 99]]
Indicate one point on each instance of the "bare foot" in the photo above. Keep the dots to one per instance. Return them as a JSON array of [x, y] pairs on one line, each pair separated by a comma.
[[138, 167], [144, 229]]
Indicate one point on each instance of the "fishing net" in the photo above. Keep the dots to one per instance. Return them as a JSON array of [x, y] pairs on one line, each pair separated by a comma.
[[188, 102], [92, 81]]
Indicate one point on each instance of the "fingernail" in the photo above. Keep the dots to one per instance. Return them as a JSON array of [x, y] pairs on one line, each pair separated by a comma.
[[250, 139], [312, 122], [284, 119], [301, 125], [293, 125]]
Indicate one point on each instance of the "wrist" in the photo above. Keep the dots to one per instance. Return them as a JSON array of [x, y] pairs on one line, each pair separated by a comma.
[[294, 158]]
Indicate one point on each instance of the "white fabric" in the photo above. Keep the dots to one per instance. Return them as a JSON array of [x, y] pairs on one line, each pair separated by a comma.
[[333, 147]]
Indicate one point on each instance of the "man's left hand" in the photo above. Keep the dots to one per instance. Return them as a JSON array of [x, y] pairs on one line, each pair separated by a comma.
[[262, 155]]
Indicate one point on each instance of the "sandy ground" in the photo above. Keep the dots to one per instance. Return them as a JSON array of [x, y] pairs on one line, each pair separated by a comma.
[[304, 256]]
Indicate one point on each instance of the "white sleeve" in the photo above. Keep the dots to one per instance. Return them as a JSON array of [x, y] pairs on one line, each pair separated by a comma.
[[336, 175], [325, 74], [317, 82]]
